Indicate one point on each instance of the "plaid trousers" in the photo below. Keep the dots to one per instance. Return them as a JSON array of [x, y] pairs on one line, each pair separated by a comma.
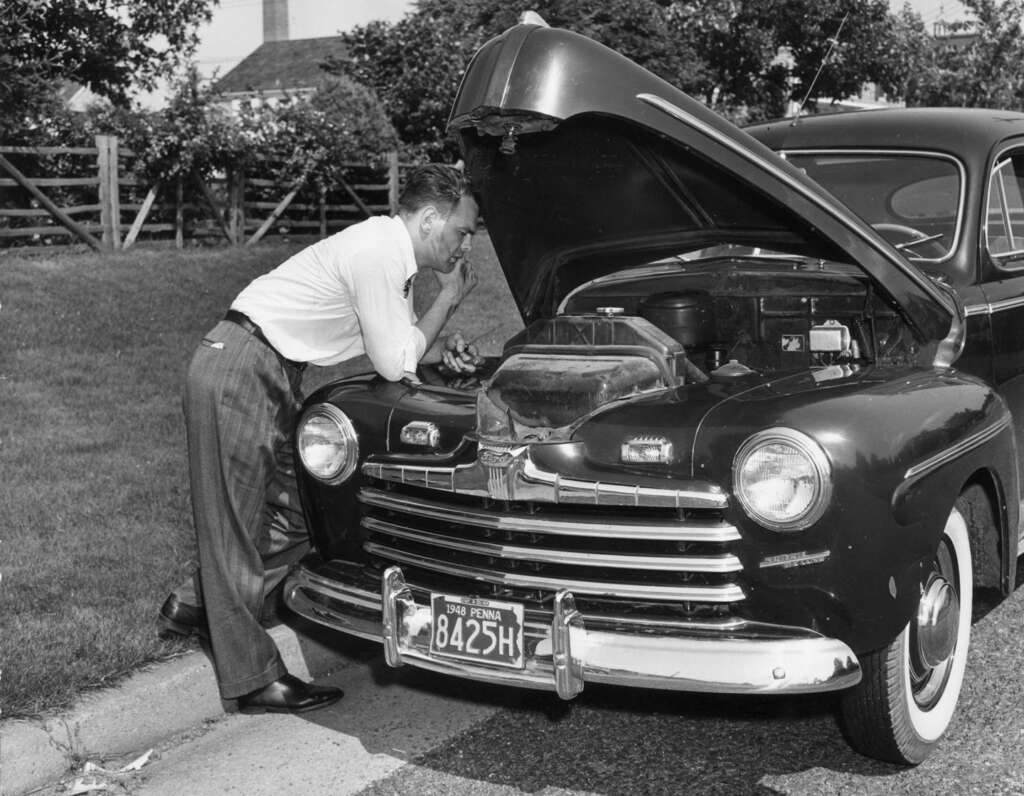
[[240, 402]]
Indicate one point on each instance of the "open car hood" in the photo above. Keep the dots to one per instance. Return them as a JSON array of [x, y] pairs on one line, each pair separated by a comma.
[[586, 163]]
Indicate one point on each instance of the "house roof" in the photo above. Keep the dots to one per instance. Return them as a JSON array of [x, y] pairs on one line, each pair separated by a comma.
[[282, 66]]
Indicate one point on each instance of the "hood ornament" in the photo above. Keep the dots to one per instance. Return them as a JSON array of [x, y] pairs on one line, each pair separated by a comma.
[[532, 18]]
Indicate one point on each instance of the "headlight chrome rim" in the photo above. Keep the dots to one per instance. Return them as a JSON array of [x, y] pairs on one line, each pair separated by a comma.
[[819, 465], [346, 440]]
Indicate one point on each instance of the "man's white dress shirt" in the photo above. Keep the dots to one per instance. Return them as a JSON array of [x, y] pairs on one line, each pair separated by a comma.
[[341, 297]]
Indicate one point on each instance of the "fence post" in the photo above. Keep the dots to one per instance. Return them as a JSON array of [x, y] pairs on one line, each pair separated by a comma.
[[236, 205], [179, 213], [322, 193], [393, 182], [109, 193]]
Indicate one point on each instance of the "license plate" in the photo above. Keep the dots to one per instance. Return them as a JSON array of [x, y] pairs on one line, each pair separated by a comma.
[[473, 629]]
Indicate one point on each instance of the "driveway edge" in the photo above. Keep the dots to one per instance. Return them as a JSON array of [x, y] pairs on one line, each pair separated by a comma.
[[151, 705]]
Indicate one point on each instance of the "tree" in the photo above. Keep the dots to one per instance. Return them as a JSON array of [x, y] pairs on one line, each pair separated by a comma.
[[738, 44], [106, 45], [983, 72], [834, 44], [760, 54], [904, 54], [744, 58], [415, 65], [343, 122], [194, 133]]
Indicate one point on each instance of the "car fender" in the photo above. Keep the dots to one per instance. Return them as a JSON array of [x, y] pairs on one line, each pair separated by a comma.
[[901, 443]]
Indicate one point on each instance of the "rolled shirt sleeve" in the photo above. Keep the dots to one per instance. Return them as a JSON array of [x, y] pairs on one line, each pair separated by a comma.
[[415, 353], [390, 336]]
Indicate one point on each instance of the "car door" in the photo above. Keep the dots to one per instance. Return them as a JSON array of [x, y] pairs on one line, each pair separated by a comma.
[[1002, 269]]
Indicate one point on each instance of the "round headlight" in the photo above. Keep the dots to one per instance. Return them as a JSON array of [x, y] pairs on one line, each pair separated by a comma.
[[783, 479], [327, 444]]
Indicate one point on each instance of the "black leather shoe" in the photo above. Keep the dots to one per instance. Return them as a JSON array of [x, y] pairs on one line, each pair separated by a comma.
[[182, 619], [289, 695]]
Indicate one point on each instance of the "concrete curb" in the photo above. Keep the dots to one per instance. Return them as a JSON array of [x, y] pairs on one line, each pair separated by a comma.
[[150, 706]]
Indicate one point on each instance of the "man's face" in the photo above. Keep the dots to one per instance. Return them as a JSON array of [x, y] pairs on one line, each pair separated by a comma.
[[449, 239]]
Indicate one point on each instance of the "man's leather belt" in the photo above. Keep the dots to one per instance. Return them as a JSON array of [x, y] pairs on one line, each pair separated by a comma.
[[243, 320]]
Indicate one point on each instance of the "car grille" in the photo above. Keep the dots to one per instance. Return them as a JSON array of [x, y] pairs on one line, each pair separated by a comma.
[[622, 564]]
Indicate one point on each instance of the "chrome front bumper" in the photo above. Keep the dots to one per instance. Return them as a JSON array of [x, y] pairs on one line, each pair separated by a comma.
[[567, 653]]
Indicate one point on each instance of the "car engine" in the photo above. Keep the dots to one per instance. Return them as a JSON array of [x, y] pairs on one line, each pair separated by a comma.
[[559, 370], [768, 321]]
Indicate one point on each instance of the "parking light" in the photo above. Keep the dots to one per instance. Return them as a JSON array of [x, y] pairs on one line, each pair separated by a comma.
[[646, 450]]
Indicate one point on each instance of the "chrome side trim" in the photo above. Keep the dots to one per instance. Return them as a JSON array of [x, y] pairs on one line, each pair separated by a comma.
[[994, 306], [959, 449], [724, 563], [977, 309], [681, 531], [1006, 304], [570, 652], [525, 481], [723, 593]]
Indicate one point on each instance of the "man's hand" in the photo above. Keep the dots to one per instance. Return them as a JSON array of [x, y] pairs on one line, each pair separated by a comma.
[[458, 356], [458, 282]]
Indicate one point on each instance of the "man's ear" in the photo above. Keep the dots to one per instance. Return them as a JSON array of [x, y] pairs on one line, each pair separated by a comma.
[[428, 218]]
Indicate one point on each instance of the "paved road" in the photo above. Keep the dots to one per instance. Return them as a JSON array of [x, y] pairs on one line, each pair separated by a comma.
[[408, 732]]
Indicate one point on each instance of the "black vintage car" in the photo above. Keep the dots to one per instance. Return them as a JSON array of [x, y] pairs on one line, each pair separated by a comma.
[[744, 444]]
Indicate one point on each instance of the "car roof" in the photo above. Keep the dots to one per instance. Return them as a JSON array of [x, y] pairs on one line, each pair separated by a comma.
[[969, 133]]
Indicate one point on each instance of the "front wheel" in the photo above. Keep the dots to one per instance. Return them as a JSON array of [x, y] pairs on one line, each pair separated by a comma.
[[909, 689]]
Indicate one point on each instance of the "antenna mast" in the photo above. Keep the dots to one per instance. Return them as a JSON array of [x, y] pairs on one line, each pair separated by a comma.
[[831, 46]]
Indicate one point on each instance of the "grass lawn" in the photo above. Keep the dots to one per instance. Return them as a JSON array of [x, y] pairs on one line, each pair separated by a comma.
[[95, 523]]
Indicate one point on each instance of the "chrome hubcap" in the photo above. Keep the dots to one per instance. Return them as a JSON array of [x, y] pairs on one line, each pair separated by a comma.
[[938, 616]]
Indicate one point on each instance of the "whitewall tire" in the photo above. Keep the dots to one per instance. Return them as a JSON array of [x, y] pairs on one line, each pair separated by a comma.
[[909, 690]]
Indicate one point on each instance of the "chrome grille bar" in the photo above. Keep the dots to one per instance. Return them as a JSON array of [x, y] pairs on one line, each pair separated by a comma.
[[724, 563], [723, 593], [611, 528], [524, 480]]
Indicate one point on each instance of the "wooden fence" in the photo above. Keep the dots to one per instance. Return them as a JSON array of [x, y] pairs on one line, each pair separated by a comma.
[[96, 198]]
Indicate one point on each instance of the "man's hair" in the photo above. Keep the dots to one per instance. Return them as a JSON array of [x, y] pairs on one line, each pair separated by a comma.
[[433, 184]]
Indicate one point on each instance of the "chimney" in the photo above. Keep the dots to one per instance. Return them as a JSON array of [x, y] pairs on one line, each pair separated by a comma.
[[275, 20]]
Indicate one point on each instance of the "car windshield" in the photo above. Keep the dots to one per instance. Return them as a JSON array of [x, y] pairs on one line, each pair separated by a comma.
[[914, 200]]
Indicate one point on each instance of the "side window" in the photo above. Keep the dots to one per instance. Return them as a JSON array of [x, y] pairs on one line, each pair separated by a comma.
[[1004, 224]]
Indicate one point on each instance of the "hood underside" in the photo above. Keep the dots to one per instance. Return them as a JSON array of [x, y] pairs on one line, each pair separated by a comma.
[[585, 164], [597, 194]]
